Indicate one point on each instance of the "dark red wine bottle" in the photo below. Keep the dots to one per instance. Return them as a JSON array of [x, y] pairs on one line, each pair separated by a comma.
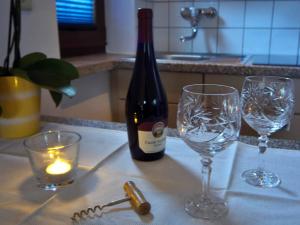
[[146, 102]]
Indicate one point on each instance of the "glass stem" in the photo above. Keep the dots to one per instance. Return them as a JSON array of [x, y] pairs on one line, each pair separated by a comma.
[[206, 172], [262, 146]]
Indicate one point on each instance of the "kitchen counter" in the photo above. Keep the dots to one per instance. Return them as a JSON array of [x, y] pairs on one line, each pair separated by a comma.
[[274, 143], [92, 64]]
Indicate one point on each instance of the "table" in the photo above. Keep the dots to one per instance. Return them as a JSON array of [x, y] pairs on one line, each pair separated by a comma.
[[106, 164]]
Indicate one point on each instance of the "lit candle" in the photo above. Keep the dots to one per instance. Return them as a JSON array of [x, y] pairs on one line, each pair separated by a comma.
[[60, 170], [59, 166]]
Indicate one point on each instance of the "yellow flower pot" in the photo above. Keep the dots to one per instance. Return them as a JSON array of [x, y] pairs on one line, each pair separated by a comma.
[[20, 104]]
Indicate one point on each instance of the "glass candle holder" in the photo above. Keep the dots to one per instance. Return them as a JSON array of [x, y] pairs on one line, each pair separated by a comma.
[[53, 156]]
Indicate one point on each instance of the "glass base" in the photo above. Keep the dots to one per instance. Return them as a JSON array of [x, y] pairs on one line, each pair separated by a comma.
[[202, 207], [54, 187], [261, 178]]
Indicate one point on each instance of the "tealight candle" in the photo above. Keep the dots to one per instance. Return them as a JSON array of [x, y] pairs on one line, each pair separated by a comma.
[[56, 164], [59, 166], [59, 172]]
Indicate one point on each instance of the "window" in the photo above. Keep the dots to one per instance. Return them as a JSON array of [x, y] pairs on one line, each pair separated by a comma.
[[81, 26], [75, 12]]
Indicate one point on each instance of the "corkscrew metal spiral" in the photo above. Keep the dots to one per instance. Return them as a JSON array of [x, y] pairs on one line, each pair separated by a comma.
[[134, 195]]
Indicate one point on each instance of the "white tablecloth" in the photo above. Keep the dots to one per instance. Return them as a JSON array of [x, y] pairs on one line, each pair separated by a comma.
[[19, 194], [166, 183]]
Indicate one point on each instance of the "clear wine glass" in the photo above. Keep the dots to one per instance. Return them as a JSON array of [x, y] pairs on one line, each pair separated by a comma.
[[208, 120], [267, 106]]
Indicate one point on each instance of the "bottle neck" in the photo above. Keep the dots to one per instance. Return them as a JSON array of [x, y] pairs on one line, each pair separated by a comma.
[[145, 34]]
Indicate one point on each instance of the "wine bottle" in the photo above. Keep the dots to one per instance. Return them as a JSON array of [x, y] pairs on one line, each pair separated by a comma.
[[146, 102]]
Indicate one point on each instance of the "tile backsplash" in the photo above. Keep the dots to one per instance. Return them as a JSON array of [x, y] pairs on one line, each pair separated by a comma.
[[260, 27]]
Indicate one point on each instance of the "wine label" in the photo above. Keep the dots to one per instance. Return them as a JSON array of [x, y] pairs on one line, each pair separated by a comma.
[[152, 136]]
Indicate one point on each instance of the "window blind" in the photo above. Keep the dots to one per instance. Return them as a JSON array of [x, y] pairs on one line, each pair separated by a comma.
[[75, 12]]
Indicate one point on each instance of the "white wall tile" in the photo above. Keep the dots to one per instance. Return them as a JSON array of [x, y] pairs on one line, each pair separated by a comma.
[[160, 14], [175, 19], [286, 60], [206, 21], [143, 4], [286, 14], [231, 13], [149, 4], [258, 14], [257, 41], [205, 41], [230, 41], [140, 4], [284, 42], [161, 39], [299, 51], [258, 59], [175, 45]]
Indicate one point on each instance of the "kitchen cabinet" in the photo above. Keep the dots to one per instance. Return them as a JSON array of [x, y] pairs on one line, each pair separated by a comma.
[[234, 81], [174, 81]]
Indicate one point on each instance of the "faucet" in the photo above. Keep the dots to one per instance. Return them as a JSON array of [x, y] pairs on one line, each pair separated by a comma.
[[194, 15]]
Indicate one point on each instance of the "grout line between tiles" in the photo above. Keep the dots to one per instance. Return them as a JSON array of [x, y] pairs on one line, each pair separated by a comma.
[[218, 27], [244, 29], [271, 31], [169, 39], [192, 44], [297, 62]]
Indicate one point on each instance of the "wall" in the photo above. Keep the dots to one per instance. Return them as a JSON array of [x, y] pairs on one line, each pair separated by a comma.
[[91, 102], [261, 27], [120, 26], [39, 28]]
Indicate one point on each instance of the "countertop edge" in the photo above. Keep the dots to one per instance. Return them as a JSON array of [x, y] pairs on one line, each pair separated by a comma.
[[274, 143], [92, 64]]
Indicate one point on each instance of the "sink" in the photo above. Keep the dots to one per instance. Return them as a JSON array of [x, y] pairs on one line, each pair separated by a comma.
[[185, 57], [206, 57]]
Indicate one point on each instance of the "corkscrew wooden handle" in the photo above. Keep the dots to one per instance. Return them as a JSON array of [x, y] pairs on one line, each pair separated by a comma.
[[134, 195], [137, 199]]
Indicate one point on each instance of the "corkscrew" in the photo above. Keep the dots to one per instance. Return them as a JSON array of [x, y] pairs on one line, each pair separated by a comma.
[[133, 194]]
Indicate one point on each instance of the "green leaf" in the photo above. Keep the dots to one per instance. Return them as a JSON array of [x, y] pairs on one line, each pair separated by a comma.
[[30, 59], [57, 97], [53, 73]]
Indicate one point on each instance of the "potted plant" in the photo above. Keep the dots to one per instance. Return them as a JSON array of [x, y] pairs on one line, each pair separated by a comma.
[[20, 82]]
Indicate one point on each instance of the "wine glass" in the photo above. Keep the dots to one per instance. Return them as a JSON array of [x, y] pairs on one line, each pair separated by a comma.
[[208, 120], [267, 106]]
